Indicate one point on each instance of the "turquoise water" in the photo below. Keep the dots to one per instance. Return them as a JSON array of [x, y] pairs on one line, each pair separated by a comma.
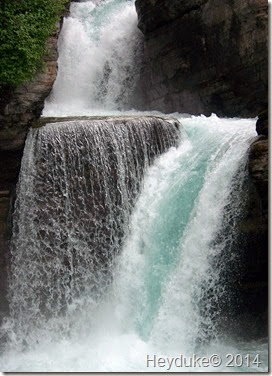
[[152, 307], [172, 209], [167, 257], [96, 17]]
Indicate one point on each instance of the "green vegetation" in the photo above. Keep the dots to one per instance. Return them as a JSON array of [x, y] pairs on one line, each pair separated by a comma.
[[24, 27]]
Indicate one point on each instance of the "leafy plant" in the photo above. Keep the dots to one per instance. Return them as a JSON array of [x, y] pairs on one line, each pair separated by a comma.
[[25, 26]]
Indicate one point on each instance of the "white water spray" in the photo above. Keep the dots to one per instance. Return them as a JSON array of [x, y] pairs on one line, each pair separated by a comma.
[[78, 184], [164, 270], [100, 51]]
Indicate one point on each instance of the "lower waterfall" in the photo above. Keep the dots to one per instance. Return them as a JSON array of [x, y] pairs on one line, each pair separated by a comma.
[[78, 183], [156, 299]]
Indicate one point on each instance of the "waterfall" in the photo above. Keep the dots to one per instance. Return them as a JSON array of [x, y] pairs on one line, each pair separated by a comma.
[[167, 264], [124, 227], [78, 184], [100, 49], [100, 287]]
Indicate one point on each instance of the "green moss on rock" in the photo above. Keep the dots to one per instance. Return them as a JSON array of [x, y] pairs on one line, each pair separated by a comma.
[[24, 28]]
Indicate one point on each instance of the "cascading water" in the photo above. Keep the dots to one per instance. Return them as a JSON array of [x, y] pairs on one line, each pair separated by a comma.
[[99, 59], [117, 256], [154, 303], [78, 183]]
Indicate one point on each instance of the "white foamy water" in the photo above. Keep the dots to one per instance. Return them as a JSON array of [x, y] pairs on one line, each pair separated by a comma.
[[100, 51], [163, 270], [154, 298]]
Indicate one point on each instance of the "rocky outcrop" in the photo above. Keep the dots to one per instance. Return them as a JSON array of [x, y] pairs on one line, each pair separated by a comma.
[[258, 168], [252, 283], [258, 164], [19, 108], [204, 56], [262, 123]]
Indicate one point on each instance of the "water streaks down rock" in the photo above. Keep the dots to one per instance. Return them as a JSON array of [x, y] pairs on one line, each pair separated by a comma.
[[78, 183]]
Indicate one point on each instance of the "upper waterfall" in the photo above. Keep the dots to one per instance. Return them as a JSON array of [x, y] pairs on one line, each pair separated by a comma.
[[100, 50]]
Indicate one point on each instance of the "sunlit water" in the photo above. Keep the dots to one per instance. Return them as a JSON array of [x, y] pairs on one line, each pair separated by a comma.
[[153, 304]]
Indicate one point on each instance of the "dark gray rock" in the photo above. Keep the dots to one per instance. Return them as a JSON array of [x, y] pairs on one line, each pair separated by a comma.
[[97, 164], [252, 282], [262, 123], [258, 164], [204, 56], [258, 167], [156, 13]]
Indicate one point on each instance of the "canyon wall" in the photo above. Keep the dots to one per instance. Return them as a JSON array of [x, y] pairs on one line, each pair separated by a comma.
[[204, 56], [255, 226], [250, 282], [19, 108]]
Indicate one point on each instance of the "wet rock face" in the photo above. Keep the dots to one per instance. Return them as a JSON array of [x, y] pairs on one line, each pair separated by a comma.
[[156, 13], [79, 181], [253, 234], [204, 56], [19, 107], [258, 167], [262, 123], [258, 162]]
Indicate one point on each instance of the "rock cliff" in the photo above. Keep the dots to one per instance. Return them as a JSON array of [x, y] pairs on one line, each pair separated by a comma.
[[19, 108], [246, 261], [204, 56], [252, 282]]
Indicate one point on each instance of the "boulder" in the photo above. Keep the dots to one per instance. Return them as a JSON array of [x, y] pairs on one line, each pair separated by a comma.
[[258, 162]]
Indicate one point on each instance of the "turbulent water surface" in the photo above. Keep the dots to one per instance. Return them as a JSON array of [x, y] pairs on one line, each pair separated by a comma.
[[153, 305], [118, 256]]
